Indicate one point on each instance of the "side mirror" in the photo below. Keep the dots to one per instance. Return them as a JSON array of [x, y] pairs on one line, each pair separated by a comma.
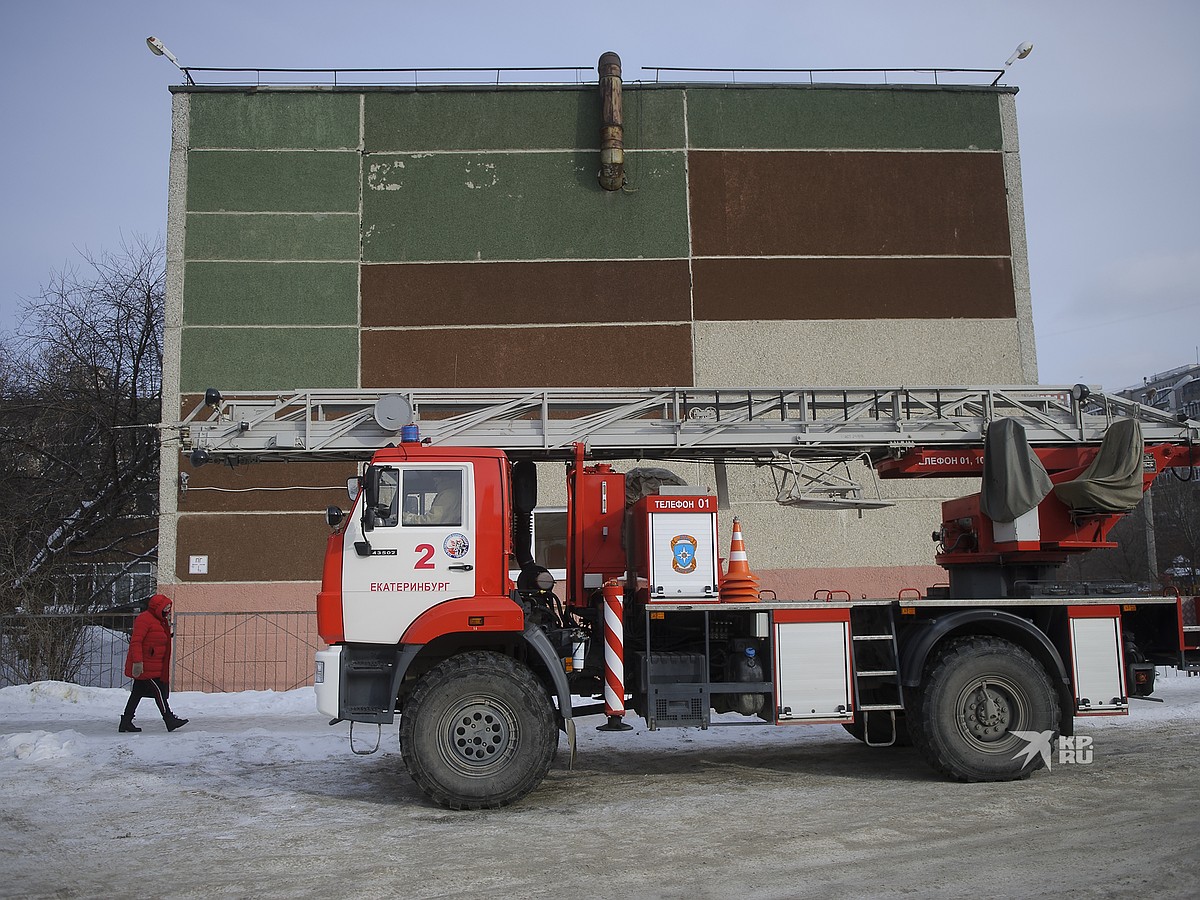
[[370, 487], [353, 486]]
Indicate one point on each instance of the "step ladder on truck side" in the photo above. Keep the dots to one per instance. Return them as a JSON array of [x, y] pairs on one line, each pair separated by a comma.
[[962, 669]]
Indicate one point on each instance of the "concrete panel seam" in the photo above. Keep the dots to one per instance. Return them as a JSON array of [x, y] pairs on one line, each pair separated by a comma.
[[513, 151], [490, 326], [687, 218], [631, 152], [248, 327], [270, 212], [888, 256], [903, 150], [507, 261], [273, 149], [194, 261], [358, 297]]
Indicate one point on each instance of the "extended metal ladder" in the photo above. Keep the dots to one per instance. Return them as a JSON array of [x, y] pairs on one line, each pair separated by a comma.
[[678, 423]]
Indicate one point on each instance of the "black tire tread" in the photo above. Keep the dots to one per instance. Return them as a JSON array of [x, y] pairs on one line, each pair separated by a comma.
[[921, 716], [501, 668]]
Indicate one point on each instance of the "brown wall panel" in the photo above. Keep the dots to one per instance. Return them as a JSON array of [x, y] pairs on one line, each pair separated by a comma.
[[600, 356], [731, 289], [268, 547], [842, 204], [519, 293], [256, 487]]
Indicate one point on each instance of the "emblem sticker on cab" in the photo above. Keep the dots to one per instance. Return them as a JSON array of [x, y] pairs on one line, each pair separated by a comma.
[[456, 545]]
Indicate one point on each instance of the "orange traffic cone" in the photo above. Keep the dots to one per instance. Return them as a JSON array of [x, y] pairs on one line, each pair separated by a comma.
[[739, 585]]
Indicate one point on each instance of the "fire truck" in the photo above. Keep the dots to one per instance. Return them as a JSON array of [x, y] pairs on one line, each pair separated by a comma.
[[435, 610]]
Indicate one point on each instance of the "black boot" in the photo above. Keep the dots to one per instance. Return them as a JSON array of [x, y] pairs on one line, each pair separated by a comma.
[[127, 724], [173, 721]]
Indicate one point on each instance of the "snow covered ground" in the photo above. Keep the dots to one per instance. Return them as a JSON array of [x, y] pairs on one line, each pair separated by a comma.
[[257, 796]]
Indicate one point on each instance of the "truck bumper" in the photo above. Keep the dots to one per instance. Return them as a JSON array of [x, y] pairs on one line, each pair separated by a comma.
[[328, 681]]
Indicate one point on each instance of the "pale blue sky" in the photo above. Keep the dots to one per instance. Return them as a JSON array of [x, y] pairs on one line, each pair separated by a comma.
[[1108, 110]]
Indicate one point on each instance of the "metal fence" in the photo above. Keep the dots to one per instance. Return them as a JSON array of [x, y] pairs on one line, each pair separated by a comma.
[[243, 651], [82, 649], [231, 651]]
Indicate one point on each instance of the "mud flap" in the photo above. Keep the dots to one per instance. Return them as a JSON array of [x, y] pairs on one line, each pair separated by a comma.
[[536, 638]]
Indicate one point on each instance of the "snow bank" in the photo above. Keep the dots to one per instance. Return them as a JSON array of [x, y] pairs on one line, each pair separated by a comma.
[[35, 746], [59, 698]]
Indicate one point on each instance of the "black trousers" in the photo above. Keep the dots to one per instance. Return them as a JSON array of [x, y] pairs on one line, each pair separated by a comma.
[[156, 689]]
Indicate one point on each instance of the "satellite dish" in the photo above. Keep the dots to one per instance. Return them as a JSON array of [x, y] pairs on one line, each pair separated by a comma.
[[393, 412]]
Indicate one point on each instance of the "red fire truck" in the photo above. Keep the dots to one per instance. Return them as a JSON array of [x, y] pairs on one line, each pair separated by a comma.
[[425, 621]]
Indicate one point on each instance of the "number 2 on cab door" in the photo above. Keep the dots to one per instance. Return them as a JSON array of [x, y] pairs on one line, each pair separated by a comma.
[[425, 551]]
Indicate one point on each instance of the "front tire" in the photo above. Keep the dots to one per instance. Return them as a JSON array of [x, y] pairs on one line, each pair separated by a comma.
[[478, 731], [976, 693]]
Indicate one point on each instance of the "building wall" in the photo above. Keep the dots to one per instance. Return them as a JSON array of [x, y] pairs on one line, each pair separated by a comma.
[[768, 235]]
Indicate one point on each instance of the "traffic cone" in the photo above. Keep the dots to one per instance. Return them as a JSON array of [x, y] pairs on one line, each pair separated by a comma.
[[739, 585]]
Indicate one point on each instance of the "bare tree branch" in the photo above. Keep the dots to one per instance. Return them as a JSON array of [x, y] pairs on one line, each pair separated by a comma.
[[80, 394]]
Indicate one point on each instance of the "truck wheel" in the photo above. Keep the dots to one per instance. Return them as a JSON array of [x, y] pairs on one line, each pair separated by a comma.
[[881, 730], [976, 693], [478, 731]]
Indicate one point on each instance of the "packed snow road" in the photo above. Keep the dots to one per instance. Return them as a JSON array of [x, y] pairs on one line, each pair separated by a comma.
[[257, 797]]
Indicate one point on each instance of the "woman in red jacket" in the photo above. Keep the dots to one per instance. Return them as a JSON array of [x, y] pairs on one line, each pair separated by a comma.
[[148, 663]]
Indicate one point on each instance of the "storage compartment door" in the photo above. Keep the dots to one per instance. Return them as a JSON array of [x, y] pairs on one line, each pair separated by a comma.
[[1097, 661], [812, 665], [683, 557]]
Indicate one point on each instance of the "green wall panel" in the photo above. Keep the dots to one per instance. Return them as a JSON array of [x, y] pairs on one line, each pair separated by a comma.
[[806, 118], [265, 181], [268, 359], [453, 120], [249, 293], [516, 120], [265, 236], [653, 119], [453, 206], [256, 120]]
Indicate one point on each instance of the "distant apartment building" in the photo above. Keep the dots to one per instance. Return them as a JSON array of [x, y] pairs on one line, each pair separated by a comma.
[[1175, 390]]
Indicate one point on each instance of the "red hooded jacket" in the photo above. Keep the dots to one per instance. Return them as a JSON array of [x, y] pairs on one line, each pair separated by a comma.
[[151, 641]]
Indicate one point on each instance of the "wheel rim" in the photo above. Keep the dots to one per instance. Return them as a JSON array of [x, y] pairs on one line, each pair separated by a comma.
[[989, 710], [479, 736]]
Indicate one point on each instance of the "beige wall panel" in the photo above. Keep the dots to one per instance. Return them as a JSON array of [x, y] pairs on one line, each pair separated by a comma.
[[883, 352], [873, 583], [294, 596], [779, 537]]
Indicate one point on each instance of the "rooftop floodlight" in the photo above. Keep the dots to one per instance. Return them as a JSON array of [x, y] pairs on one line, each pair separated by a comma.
[[1022, 51], [159, 49]]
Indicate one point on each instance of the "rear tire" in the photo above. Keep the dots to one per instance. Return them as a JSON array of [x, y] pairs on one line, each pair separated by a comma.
[[478, 731], [975, 694]]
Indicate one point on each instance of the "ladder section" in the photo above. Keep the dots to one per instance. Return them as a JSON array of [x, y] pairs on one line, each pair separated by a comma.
[[687, 423], [876, 660]]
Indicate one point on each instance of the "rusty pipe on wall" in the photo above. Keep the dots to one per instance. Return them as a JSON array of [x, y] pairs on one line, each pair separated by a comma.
[[612, 137]]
